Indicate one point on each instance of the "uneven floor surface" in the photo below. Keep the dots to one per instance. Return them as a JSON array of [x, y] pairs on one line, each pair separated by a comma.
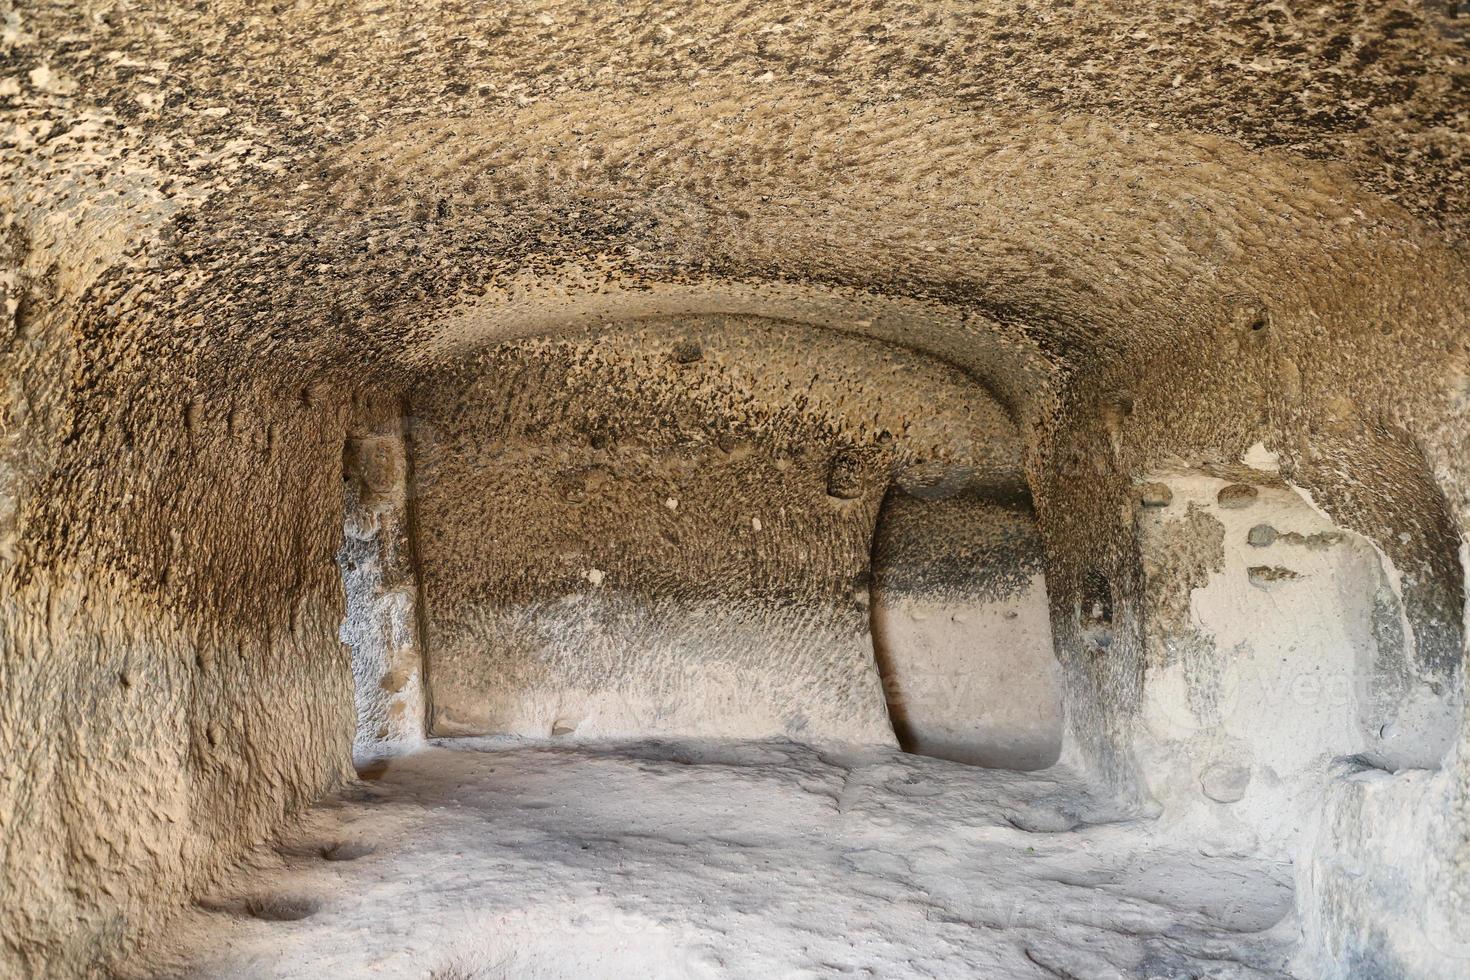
[[492, 858]]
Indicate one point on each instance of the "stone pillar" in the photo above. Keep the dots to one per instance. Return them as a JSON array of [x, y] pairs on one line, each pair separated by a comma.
[[381, 581]]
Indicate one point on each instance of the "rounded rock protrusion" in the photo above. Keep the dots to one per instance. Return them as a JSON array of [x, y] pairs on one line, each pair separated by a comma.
[[1225, 783], [1261, 536], [688, 351], [1155, 495], [572, 488], [1269, 577], [1237, 496], [845, 476]]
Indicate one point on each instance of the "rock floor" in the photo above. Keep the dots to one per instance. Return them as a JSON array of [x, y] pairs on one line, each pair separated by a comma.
[[488, 858]]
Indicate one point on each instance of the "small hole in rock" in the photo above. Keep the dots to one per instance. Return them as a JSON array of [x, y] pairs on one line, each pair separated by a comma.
[[346, 851], [278, 908], [373, 770]]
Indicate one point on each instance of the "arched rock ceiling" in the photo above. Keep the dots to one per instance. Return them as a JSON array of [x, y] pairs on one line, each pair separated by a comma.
[[694, 381], [1015, 189], [1085, 208]]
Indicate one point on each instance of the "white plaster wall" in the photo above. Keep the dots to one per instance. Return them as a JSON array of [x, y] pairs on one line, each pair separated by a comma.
[[1376, 879], [1276, 679], [1379, 879]]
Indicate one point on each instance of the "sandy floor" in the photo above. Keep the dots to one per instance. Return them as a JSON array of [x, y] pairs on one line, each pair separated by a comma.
[[489, 858]]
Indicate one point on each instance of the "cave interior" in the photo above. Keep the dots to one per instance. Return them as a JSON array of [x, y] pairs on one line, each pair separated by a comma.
[[777, 489]]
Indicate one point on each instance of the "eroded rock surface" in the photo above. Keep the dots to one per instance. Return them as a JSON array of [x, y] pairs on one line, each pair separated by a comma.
[[656, 305]]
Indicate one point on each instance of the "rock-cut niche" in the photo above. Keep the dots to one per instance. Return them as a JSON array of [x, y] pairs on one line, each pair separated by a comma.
[[961, 627]]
